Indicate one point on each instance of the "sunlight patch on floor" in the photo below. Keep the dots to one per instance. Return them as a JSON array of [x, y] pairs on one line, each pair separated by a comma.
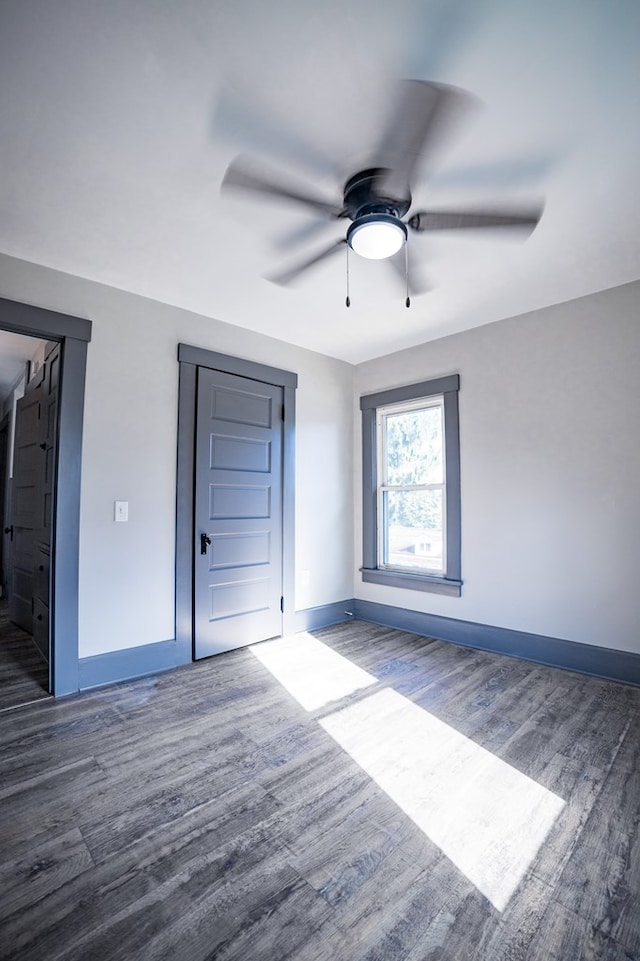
[[312, 672], [487, 817]]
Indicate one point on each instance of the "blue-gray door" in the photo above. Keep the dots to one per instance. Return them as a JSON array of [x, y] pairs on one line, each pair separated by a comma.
[[238, 512]]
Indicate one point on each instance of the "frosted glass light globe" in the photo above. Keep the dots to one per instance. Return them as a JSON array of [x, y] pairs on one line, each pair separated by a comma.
[[377, 236]]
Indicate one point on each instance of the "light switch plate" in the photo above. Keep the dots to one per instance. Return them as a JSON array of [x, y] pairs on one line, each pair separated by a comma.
[[121, 512]]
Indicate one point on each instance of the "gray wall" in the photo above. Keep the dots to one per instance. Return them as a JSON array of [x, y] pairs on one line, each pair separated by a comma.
[[550, 415], [127, 574], [550, 461]]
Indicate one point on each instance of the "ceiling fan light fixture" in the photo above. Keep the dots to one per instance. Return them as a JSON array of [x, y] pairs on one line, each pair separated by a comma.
[[377, 236]]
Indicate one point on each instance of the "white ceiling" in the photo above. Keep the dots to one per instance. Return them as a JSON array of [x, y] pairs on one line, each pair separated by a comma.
[[118, 120]]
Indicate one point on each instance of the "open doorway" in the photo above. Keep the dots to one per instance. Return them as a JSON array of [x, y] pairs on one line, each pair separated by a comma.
[[62, 498], [29, 375]]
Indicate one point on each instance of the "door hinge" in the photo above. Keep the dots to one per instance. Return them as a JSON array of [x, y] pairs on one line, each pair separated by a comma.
[[282, 605]]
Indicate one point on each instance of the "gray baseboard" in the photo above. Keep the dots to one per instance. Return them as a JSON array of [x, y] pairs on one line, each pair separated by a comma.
[[570, 655], [600, 662], [127, 664], [132, 662], [313, 618]]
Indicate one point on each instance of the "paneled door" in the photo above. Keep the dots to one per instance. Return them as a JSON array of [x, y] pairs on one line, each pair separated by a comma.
[[45, 491], [26, 464], [238, 512]]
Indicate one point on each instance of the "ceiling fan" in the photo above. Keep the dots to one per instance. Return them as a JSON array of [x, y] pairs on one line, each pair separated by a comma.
[[376, 200]]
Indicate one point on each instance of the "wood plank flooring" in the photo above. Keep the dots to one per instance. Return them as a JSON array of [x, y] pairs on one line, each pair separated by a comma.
[[24, 674], [434, 803]]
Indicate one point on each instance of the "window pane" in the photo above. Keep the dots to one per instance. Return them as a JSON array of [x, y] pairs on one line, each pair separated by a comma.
[[413, 528], [414, 447]]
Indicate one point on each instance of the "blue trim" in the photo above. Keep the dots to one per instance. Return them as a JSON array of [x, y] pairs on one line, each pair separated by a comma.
[[201, 357], [369, 490], [451, 583], [313, 618], [132, 662], [288, 509], [184, 508], [396, 395], [555, 652], [568, 655], [129, 663], [412, 582], [65, 532], [74, 334], [454, 508], [40, 322]]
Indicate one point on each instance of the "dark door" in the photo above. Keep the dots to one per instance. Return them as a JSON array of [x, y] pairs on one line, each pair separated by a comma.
[[26, 463], [5, 517], [238, 512], [45, 489]]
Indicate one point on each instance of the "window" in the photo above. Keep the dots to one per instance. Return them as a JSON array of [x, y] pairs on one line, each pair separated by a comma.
[[411, 487]]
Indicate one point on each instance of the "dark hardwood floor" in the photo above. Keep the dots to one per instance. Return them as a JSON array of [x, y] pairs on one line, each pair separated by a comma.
[[358, 793], [24, 674]]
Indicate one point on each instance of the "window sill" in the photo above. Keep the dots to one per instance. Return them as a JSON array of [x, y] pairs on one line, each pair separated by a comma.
[[412, 582]]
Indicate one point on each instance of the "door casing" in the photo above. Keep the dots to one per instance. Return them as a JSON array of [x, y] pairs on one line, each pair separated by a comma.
[[73, 333]]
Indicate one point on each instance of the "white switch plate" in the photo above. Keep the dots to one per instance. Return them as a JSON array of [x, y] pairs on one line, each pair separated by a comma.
[[121, 511]]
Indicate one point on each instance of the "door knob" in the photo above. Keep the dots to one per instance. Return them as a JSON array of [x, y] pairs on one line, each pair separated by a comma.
[[9, 530], [205, 541]]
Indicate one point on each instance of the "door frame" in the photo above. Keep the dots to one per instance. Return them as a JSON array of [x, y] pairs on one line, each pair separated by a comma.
[[73, 334], [189, 359]]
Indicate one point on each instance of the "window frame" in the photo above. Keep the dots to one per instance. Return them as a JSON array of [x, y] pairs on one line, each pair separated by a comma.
[[449, 583]]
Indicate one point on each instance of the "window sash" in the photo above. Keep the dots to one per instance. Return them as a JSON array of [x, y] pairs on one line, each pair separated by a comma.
[[383, 487], [383, 537]]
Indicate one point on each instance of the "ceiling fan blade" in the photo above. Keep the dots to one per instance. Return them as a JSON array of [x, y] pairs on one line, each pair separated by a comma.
[[422, 117], [248, 118], [285, 277], [302, 235], [455, 220], [514, 172], [241, 176]]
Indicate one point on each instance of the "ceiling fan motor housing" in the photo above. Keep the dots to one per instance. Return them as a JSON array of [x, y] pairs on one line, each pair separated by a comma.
[[362, 196]]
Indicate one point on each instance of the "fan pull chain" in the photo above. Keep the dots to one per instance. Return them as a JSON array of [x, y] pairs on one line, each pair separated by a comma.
[[407, 302], [348, 300]]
